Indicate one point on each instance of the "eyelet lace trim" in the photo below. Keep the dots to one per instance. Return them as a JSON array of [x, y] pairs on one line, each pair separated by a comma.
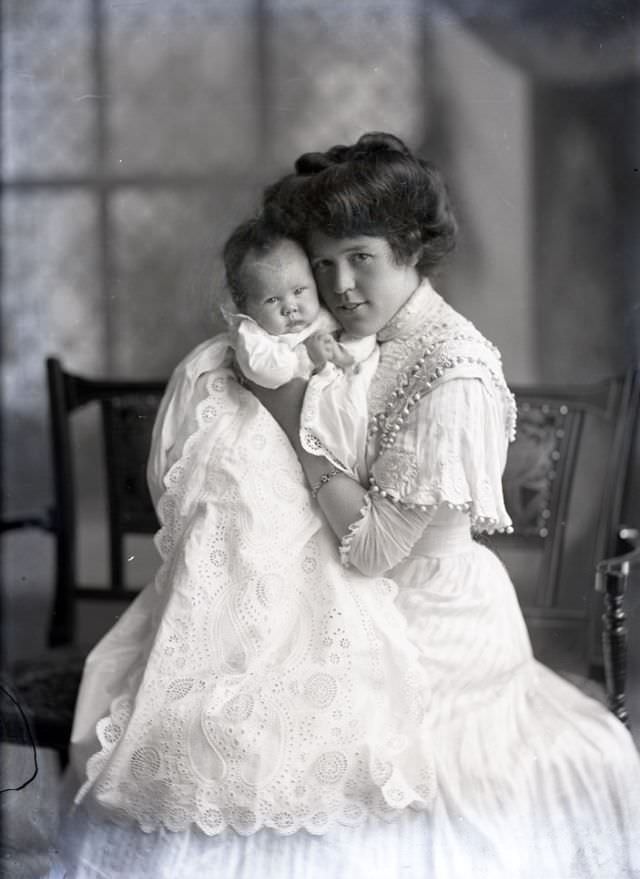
[[188, 695]]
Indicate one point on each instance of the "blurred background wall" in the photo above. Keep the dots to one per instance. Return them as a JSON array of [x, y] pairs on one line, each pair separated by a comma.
[[135, 135]]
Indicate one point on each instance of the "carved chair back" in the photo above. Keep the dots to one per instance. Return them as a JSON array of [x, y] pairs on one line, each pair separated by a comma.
[[564, 489], [128, 410]]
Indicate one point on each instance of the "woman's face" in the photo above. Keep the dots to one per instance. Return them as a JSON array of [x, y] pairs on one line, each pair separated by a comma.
[[360, 281]]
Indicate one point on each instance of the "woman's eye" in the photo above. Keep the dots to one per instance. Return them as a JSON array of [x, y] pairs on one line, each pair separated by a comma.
[[321, 265], [362, 257]]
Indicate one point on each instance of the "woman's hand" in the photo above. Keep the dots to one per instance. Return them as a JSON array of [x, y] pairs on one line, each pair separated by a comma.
[[285, 404]]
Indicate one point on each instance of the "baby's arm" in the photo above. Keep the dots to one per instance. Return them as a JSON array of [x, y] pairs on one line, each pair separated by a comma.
[[323, 348]]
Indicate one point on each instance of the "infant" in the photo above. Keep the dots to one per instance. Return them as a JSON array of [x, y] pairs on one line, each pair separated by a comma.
[[280, 331]]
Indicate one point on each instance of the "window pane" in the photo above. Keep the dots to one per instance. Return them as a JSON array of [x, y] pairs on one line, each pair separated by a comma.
[[182, 85], [339, 70], [48, 104], [168, 274], [51, 305]]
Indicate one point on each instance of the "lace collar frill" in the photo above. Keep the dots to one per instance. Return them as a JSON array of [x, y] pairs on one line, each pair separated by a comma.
[[425, 342], [417, 312]]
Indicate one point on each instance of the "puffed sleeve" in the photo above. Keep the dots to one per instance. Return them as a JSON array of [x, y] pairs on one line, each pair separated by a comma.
[[451, 450]]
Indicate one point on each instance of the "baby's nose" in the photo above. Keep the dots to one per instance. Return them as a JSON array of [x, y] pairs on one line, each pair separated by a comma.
[[289, 308]]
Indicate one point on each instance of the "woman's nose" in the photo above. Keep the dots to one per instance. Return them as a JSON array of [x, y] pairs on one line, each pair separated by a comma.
[[343, 281]]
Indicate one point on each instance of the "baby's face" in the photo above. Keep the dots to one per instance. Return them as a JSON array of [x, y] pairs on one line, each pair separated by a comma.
[[281, 293]]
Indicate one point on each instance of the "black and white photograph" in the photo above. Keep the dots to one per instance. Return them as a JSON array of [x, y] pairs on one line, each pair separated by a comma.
[[320, 437]]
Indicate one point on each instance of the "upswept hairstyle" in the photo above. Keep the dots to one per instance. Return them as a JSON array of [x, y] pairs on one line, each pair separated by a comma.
[[373, 187], [256, 235]]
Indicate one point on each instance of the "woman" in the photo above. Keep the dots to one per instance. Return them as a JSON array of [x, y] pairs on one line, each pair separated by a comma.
[[533, 779]]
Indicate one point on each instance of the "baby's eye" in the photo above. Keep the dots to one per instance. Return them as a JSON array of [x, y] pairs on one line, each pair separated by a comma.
[[299, 291], [271, 300]]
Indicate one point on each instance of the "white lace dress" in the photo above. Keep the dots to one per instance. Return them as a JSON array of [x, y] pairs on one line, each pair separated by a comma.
[[534, 780]]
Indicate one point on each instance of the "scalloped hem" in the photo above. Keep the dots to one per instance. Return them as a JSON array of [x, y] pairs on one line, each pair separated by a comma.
[[394, 796], [353, 816]]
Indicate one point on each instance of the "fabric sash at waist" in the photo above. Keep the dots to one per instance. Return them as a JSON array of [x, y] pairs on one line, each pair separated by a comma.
[[440, 541]]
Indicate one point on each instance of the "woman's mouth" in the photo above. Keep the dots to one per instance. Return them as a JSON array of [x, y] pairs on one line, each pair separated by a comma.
[[352, 306]]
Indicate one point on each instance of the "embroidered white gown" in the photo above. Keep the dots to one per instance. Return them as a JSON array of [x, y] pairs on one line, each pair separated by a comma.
[[534, 780], [255, 682]]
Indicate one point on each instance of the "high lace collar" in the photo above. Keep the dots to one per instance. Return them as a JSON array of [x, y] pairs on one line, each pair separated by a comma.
[[419, 308]]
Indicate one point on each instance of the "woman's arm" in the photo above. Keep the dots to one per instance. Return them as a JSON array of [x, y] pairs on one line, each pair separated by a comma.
[[374, 542], [341, 498]]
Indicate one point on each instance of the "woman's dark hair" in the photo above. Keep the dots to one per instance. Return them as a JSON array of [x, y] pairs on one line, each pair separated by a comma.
[[256, 235], [373, 187]]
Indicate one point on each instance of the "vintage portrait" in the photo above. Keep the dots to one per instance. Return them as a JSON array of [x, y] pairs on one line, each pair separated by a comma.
[[320, 439]]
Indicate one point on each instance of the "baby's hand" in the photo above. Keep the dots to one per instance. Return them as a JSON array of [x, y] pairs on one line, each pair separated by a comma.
[[323, 348]]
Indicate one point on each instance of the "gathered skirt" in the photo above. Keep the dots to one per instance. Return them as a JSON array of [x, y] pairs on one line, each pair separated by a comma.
[[534, 779]]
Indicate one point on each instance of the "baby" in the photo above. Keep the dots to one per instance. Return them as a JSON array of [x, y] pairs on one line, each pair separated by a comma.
[[280, 331]]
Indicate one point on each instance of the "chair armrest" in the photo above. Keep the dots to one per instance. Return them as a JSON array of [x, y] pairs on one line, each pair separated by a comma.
[[619, 565], [612, 576]]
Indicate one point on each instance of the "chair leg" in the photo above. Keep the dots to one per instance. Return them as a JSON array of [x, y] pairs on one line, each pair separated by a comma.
[[614, 638]]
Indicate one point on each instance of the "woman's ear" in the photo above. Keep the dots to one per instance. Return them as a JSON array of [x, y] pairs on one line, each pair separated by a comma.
[[415, 257], [414, 239]]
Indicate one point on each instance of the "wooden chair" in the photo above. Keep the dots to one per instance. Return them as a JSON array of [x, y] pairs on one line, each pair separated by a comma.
[[618, 580], [564, 488], [44, 690]]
